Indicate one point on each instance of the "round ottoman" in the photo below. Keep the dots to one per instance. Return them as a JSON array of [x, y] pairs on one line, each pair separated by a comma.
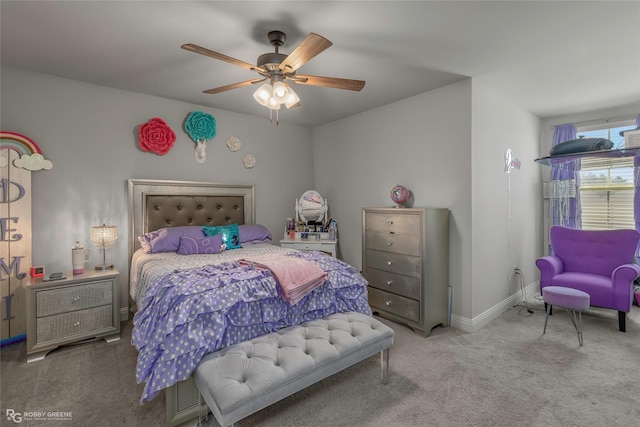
[[571, 299]]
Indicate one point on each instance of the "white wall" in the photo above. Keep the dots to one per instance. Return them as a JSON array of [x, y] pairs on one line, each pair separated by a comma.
[[505, 206], [447, 146], [89, 133], [422, 142]]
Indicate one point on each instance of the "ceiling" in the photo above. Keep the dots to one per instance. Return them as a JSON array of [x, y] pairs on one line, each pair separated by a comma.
[[551, 58]]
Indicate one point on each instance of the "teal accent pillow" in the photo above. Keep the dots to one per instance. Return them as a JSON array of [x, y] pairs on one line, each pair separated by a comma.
[[230, 234]]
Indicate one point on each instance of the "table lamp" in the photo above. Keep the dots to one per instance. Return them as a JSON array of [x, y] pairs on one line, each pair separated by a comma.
[[104, 236]]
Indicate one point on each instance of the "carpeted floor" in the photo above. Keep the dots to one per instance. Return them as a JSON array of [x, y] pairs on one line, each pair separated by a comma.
[[506, 374]]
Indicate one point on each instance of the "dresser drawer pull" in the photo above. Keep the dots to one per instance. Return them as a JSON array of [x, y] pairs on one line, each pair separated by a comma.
[[389, 262], [388, 303], [76, 324], [76, 298], [390, 222], [389, 282], [389, 243]]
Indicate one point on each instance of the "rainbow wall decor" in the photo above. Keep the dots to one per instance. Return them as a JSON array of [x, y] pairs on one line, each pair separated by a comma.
[[31, 157]]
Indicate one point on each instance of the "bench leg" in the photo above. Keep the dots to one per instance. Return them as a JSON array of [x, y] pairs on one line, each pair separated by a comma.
[[384, 361]]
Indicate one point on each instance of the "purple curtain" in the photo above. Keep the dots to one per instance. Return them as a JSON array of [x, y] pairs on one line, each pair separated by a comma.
[[565, 203], [636, 184]]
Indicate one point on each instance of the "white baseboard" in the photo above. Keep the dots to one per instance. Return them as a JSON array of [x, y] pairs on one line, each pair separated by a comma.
[[471, 325]]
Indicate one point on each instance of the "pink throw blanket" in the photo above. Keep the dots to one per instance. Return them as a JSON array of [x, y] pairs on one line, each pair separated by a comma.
[[296, 277]]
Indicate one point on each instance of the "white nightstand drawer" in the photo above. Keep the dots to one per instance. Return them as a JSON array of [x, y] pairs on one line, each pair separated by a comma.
[[308, 246], [70, 298], [328, 246], [74, 323]]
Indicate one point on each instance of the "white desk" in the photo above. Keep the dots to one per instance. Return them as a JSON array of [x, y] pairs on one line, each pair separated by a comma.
[[328, 246]]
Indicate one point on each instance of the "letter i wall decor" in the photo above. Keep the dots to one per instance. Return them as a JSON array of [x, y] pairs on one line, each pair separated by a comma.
[[19, 156]]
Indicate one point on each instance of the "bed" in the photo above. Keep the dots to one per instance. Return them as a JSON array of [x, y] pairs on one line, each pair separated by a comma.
[[189, 303]]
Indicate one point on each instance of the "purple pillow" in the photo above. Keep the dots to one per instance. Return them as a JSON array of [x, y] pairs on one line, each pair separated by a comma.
[[251, 232], [168, 239], [201, 245]]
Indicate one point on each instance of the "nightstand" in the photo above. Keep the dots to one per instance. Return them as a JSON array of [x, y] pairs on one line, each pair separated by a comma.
[[328, 246], [70, 310]]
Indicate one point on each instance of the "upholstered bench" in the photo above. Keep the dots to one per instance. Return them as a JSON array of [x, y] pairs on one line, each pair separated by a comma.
[[249, 376], [571, 299]]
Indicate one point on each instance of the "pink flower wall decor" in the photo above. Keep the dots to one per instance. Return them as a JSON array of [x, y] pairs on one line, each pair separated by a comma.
[[156, 136]]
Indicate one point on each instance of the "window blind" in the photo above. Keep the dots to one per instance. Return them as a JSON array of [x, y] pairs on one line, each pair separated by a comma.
[[606, 193]]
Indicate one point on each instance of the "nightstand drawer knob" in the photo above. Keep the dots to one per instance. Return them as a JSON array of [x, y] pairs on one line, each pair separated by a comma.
[[390, 222], [388, 303], [76, 324], [389, 243], [389, 282], [76, 298], [389, 262]]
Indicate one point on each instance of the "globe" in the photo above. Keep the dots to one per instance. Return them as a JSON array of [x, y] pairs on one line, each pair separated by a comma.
[[400, 194]]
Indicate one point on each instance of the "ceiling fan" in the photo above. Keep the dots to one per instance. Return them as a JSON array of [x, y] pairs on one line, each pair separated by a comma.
[[277, 68]]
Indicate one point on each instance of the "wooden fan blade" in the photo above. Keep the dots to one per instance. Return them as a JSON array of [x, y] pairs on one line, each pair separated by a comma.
[[311, 46], [349, 84], [215, 55], [232, 86]]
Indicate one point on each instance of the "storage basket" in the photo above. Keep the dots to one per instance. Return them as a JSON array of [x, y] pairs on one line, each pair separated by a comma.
[[632, 139]]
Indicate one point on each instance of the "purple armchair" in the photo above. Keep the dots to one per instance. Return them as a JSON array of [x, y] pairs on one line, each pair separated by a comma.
[[599, 263]]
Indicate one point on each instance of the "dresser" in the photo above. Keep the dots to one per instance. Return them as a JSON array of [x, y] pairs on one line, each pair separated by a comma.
[[405, 259], [73, 309]]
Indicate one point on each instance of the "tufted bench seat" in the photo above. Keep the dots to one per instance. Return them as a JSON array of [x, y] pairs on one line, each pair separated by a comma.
[[249, 376]]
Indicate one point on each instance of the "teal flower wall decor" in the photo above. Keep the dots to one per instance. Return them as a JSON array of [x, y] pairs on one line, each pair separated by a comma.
[[200, 126]]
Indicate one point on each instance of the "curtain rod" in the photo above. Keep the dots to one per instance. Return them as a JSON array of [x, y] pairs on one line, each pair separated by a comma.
[[601, 120]]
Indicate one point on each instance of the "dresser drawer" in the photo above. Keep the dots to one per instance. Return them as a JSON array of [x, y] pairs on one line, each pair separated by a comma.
[[401, 243], [69, 298], [394, 263], [399, 223], [395, 304], [396, 283], [74, 323]]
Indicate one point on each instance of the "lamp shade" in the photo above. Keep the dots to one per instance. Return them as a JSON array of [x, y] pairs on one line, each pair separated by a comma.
[[280, 92], [104, 236], [292, 99], [263, 94]]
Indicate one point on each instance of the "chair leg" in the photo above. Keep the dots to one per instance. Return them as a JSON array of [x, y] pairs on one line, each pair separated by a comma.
[[622, 321], [546, 318], [546, 308]]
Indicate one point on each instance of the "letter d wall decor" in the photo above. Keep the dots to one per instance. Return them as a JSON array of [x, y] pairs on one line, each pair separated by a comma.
[[19, 156]]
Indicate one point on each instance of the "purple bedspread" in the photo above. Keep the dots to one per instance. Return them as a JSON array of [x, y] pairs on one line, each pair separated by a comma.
[[189, 313]]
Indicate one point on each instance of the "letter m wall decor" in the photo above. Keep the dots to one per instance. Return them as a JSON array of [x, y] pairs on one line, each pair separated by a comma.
[[19, 156]]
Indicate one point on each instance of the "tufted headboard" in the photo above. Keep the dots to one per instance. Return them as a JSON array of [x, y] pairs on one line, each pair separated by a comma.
[[155, 204]]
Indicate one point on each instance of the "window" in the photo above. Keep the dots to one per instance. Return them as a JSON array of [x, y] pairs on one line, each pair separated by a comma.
[[606, 185]]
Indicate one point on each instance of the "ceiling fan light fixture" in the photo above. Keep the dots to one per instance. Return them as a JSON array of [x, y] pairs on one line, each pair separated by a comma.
[[264, 94], [273, 104], [292, 100], [280, 92]]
